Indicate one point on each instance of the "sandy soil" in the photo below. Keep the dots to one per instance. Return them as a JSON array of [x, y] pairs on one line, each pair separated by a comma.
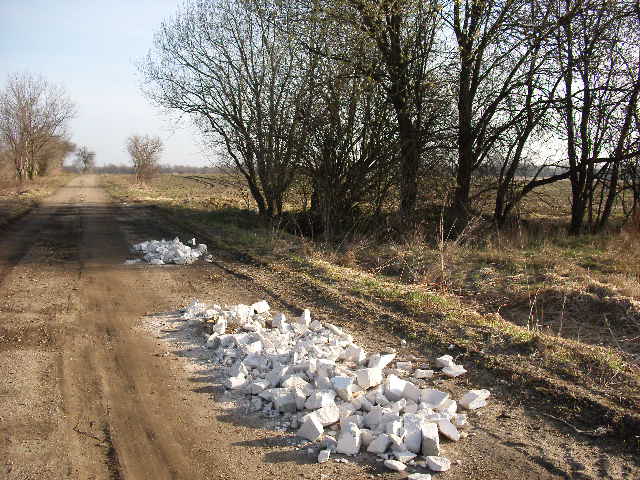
[[99, 382]]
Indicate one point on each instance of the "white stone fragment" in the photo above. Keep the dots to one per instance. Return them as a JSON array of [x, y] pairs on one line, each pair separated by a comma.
[[419, 476], [430, 439], [260, 307], [394, 387], [311, 428], [459, 420], [432, 398], [319, 399], [413, 427], [369, 377], [328, 415], [404, 456], [323, 456], [235, 383], [343, 387], [419, 373], [438, 464], [454, 371], [381, 361], [349, 440], [474, 399], [444, 361], [449, 430], [395, 465], [380, 444]]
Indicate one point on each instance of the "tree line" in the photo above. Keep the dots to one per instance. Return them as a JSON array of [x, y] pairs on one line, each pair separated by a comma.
[[366, 100]]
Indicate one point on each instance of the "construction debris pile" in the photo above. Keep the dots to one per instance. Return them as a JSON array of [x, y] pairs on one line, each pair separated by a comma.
[[331, 391], [161, 252]]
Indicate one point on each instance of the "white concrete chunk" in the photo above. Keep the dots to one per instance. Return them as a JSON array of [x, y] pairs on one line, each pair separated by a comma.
[[454, 371], [474, 399], [438, 464], [444, 361], [321, 398], [395, 465], [311, 428], [343, 387], [349, 440], [419, 373], [433, 398], [449, 430], [430, 440], [369, 377], [380, 444], [381, 361], [328, 415], [323, 456]]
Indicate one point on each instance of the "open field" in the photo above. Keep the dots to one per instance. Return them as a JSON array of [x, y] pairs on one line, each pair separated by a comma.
[[558, 317]]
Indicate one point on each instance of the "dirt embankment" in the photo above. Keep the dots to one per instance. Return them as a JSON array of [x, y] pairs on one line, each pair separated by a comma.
[[87, 393]]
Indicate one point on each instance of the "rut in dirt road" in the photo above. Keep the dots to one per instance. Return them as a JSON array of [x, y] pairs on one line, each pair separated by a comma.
[[82, 398]]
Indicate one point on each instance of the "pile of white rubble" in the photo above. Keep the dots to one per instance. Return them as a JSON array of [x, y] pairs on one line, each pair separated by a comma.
[[160, 252], [330, 390]]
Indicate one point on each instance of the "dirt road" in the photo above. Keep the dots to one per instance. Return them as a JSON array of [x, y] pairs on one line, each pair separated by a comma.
[[86, 393]]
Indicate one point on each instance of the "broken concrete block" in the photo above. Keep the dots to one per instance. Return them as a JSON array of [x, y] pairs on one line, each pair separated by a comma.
[[449, 407], [380, 361], [321, 398], [354, 353], [369, 377], [260, 307], [343, 387], [305, 318], [438, 464], [419, 476], [311, 428], [349, 440], [366, 437], [380, 444], [328, 415], [459, 419], [430, 440], [235, 383], [454, 371], [419, 373], [413, 426], [394, 387], [411, 392], [394, 427], [253, 347], [474, 399], [257, 387], [444, 361], [315, 326], [279, 321], [329, 443], [404, 456], [433, 398], [323, 456], [283, 400], [395, 465], [449, 430], [396, 441], [220, 326], [296, 381], [255, 404]]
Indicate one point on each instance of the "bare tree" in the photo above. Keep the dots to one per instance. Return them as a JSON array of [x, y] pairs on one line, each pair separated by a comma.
[[32, 113], [85, 160], [145, 153], [236, 70]]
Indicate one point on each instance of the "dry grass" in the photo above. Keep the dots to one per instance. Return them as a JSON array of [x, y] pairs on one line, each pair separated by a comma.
[[18, 198], [529, 302]]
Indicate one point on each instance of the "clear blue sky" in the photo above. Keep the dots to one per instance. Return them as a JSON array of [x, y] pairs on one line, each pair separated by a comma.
[[90, 47]]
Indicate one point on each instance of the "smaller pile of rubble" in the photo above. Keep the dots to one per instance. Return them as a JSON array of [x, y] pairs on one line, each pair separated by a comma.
[[328, 389], [161, 252]]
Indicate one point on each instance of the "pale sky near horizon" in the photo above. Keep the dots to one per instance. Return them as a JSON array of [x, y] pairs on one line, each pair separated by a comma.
[[90, 48]]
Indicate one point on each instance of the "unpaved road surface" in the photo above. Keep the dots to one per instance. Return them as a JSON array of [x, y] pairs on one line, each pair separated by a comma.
[[88, 392]]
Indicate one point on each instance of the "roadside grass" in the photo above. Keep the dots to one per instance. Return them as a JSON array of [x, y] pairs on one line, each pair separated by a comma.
[[559, 313], [16, 199]]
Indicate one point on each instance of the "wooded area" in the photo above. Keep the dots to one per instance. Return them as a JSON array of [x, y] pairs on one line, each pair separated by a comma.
[[368, 102]]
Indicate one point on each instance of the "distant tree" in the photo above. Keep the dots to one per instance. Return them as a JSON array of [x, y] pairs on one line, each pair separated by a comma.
[[145, 153], [53, 154], [85, 160], [32, 114]]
